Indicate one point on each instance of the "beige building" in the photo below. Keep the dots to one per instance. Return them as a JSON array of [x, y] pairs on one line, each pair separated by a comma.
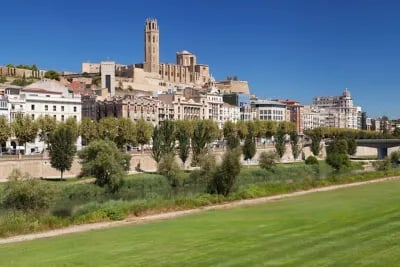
[[143, 107], [186, 108], [233, 86], [152, 75], [186, 70]]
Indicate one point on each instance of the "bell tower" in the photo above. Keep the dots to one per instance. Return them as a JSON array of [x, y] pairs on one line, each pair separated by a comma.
[[151, 46]]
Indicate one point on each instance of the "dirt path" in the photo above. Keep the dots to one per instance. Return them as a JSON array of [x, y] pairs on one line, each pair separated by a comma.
[[174, 214]]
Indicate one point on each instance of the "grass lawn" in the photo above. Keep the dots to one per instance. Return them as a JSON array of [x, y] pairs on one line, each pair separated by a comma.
[[348, 227]]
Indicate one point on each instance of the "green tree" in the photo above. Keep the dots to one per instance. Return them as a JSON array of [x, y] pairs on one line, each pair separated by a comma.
[[183, 134], [226, 174], [88, 130], [52, 74], [5, 130], [21, 82], [168, 134], [316, 138], [169, 168], [143, 132], [62, 148], [270, 129], [156, 151], [351, 146], [241, 129], [204, 132], [108, 128], [46, 125], [103, 160], [230, 134], [294, 143], [3, 79], [280, 141], [10, 66], [24, 129], [337, 156], [126, 133], [73, 125], [249, 147]]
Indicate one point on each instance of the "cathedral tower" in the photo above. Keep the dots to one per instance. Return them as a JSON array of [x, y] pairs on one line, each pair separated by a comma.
[[151, 46]]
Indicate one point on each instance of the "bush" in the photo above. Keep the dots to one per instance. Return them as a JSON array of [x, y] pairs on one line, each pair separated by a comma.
[[383, 165], [226, 175], [170, 169], [337, 154], [311, 160], [267, 160], [25, 193], [105, 162], [395, 158]]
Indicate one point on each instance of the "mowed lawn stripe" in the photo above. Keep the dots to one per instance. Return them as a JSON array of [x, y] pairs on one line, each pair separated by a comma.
[[355, 226]]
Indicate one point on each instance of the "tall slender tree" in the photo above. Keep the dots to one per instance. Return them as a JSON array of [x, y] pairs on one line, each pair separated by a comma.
[[62, 148], [183, 134]]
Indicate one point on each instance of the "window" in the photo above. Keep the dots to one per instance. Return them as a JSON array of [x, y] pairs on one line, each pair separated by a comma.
[[55, 116], [33, 116], [62, 117], [62, 108], [46, 107], [32, 107], [74, 109], [54, 108]]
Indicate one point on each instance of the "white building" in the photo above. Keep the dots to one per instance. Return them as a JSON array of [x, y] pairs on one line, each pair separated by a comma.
[[51, 98], [230, 113], [215, 107], [269, 110], [43, 98]]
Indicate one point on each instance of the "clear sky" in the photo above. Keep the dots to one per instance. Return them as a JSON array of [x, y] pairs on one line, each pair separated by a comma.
[[285, 49]]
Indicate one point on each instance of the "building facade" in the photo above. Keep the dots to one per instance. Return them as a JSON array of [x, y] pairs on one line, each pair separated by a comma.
[[342, 113], [269, 110]]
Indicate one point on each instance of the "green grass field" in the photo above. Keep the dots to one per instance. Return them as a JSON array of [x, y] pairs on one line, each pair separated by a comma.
[[348, 227]]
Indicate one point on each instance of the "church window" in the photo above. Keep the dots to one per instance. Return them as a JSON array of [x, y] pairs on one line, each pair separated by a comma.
[[154, 39]]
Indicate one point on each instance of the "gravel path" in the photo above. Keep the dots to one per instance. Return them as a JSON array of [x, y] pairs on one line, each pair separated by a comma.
[[174, 214]]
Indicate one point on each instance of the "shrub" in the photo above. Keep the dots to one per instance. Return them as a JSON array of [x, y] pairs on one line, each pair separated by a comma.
[[105, 162], [337, 154], [23, 192], [267, 160], [226, 175], [311, 160], [170, 169], [395, 158], [383, 165]]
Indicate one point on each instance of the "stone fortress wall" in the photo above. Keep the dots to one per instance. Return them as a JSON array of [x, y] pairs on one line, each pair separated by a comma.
[[21, 73]]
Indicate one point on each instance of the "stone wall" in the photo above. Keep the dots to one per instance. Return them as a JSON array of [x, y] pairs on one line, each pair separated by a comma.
[[37, 166], [20, 73]]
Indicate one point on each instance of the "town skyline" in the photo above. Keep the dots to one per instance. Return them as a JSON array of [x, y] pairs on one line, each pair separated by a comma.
[[322, 49]]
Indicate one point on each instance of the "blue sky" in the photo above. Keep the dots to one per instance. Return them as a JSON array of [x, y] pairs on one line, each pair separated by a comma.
[[285, 49]]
